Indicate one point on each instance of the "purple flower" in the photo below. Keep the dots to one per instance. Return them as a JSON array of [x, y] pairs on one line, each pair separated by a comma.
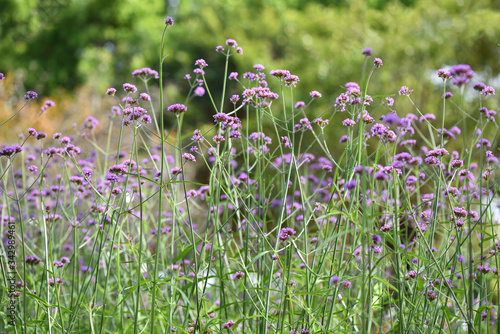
[[483, 142], [198, 71], [40, 135], [30, 95], [286, 232], [8, 151], [351, 184], [343, 139], [129, 88], [315, 94], [145, 97], [488, 91], [228, 324], [239, 50], [348, 122], [218, 139], [411, 275], [405, 91], [2, 76], [238, 275], [367, 52], [169, 21], [461, 212], [299, 104], [431, 295], [176, 170], [377, 62], [199, 91], [437, 152], [58, 264], [321, 122], [259, 67], [347, 284], [291, 80], [390, 101], [219, 48], [462, 74], [447, 95], [444, 74], [280, 74], [286, 142], [334, 280], [201, 62], [177, 108], [233, 76], [376, 238], [145, 73], [90, 123], [189, 156], [235, 98], [479, 86], [426, 117], [231, 43]]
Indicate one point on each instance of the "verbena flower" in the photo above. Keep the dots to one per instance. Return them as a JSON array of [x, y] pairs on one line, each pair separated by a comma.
[[199, 91], [315, 94], [280, 74], [231, 43], [228, 324], [405, 91], [30, 95], [177, 108], [286, 233], [169, 21], [201, 63], [129, 88], [145, 73], [189, 156], [443, 74]]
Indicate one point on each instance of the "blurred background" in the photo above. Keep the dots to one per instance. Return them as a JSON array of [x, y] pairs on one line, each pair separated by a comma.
[[71, 51]]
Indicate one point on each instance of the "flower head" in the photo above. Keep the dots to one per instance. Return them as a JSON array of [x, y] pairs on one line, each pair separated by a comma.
[[377, 62], [405, 91], [228, 324], [201, 63], [169, 21], [177, 108], [315, 94], [286, 232], [443, 74], [280, 74], [145, 73], [30, 95], [199, 91], [367, 52], [231, 43], [129, 88]]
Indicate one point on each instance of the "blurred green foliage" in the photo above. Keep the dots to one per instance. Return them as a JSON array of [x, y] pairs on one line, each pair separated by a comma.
[[71, 42]]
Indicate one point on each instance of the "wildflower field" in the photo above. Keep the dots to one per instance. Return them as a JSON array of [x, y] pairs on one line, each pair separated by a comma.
[[391, 227]]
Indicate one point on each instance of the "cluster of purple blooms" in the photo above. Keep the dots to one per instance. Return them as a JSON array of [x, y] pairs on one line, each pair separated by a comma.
[[318, 184]]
